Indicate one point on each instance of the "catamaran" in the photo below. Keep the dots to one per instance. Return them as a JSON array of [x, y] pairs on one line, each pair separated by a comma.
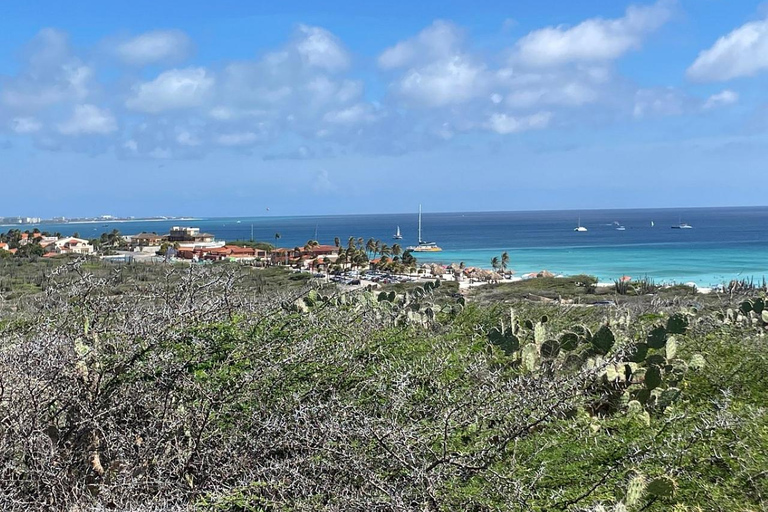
[[423, 246], [397, 236], [579, 227], [682, 225]]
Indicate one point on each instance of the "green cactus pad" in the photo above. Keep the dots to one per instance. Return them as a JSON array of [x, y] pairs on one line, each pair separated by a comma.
[[677, 324], [550, 349], [638, 352], [657, 337], [662, 487], [603, 340], [569, 341], [653, 377]]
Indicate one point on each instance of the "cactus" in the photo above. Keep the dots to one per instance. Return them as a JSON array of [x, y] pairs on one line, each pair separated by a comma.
[[657, 337], [677, 324], [550, 349], [568, 341], [539, 333], [652, 377], [603, 340], [662, 487], [505, 340], [530, 358], [636, 489], [671, 348], [638, 352]]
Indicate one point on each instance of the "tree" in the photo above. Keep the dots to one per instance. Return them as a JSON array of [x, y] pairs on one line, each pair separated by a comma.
[[396, 250], [337, 242], [495, 263], [384, 250], [277, 237], [504, 261], [370, 246], [351, 243]]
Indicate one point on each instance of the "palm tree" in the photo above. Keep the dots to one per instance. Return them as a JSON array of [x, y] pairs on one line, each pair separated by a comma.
[[504, 261], [337, 242], [360, 243], [370, 246], [351, 243], [384, 250], [495, 263], [396, 250], [277, 237]]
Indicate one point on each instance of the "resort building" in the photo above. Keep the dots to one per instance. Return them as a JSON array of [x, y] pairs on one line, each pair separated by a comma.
[[226, 252], [191, 238], [146, 240], [69, 245]]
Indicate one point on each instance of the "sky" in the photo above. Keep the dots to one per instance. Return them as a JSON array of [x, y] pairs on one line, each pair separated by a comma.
[[230, 108]]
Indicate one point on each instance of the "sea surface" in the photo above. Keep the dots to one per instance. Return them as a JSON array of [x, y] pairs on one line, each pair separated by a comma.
[[724, 243]]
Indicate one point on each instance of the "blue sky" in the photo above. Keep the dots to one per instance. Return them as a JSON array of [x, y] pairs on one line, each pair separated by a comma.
[[230, 107]]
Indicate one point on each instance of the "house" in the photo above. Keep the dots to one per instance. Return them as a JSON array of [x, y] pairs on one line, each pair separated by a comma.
[[69, 245], [3, 246], [226, 252], [186, 234], [308, 256], [146, 240]]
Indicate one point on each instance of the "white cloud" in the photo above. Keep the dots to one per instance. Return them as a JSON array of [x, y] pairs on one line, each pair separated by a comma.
[[22, 125], [322, 183], [356, 114], [593, 40], [238, 139], [156, 46], [506, 124], [440, 40], [89, 119], [743, 52], [50, 75], [659, 102], [321, 49], [172, 90], [185, 138], [721, 99], [442, 83]]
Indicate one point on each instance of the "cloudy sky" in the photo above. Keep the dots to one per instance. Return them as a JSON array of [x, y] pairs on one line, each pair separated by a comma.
[[229, 107]]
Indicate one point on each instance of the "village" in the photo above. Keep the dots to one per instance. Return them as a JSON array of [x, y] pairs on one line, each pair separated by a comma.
[[354, 263]]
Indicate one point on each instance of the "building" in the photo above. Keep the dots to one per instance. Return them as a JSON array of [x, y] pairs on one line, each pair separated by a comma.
[[69, 245], [226, 252], [186, 234], [3, 246], [146, 240], [308, 256]]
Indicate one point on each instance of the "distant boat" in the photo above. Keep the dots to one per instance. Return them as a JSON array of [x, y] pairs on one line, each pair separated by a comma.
[[652, 224], [398, 236], [423, 246], [579, 227], [621, 228], [682, 225]]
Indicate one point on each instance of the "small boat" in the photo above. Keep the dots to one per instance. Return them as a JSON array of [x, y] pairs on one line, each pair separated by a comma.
[[579, 227], [397, 236], [652, 224], [621, 228], [423, 246], [682, 225]]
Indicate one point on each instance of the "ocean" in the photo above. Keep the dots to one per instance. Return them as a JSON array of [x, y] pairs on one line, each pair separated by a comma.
[[723, 244]]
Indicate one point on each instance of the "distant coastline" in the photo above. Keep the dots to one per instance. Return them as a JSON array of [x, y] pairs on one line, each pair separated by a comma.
[[101, 221]]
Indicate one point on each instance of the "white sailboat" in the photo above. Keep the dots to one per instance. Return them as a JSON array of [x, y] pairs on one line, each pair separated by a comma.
[[423, 246], [397, 235], [682, 225], [579, 227]]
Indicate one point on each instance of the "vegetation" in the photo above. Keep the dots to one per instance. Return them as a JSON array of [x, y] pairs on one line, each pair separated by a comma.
[[144, 387]]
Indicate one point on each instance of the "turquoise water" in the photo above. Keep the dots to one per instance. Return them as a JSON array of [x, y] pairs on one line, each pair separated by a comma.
[[724, 244]]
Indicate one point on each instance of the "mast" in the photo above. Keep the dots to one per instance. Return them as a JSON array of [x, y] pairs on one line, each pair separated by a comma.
[[419, 223]]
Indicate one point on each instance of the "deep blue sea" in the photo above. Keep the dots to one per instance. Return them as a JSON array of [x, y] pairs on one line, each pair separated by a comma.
[[724, 244]]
